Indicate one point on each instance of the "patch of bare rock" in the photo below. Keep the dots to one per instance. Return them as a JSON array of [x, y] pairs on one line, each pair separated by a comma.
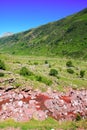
[[23, 105]]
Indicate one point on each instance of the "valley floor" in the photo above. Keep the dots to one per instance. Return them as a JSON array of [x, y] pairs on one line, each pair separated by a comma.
[[40, 100], [40, 68]]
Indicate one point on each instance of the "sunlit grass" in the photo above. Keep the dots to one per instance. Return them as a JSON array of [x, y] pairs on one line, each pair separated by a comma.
[[39, 68], [48, 124]]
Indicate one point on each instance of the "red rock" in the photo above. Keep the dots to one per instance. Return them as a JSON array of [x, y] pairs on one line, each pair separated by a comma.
[[66, 99], [22, 106], [39, 115]]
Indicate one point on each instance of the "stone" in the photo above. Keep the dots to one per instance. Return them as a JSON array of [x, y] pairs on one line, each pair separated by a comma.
[[23, 106], [20, 103], [20, 96]]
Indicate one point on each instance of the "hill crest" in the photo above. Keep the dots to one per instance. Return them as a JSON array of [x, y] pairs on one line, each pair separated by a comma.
[[65, 37]]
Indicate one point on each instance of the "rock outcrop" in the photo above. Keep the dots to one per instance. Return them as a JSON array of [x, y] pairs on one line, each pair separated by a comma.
[[25, 105]]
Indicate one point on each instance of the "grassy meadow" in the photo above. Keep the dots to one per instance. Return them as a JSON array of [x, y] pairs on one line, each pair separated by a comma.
[[40, 77]]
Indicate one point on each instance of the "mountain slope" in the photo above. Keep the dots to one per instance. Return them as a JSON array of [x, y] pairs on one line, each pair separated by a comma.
[[66, 37]]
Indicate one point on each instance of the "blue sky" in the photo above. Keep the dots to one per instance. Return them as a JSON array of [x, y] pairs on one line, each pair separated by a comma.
[[20, 15]]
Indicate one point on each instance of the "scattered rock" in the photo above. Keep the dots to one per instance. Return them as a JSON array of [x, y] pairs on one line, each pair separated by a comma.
[[24, 105], [9, 88]]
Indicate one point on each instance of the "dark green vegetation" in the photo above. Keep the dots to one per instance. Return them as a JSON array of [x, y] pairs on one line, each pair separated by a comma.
[[2, 65], [1, 74], [82, 73], [66, 37], [70, 71], [25, 72], [53, 72], [69, 64]]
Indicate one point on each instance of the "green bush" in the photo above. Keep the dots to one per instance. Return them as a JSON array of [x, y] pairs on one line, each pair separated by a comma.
[[70, 71], [53, 72], [2, 65], [78, 117], [25, 72], [46, 62], [38, 78], [43, 80], [82, 73], [35, 63], [1, 74], [49, 66], [69, 64]]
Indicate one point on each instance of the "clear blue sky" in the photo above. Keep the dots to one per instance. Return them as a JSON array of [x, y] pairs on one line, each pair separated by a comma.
[[20, 15]]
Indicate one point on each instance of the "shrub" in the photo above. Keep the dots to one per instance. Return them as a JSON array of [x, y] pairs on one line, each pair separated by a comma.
[[78, 117], [35, 63], [70, 71], [25, 72], [2, 65], [53, 72], [46, 81], [49, 66], [13, 52], [43, 80], [69, 64], [46, 62], [39, 78], [1, 74], [82, 73]]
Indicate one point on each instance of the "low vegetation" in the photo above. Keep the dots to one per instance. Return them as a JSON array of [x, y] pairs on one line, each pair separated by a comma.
[[53, 72], [26, 72], [69, 64], [65, 38], [71, 71], [82, 73], [1, 74], [2, 65], [49, 124]]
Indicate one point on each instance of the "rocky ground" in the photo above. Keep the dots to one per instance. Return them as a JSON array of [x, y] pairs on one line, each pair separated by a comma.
[[36, 129], [23, 105]]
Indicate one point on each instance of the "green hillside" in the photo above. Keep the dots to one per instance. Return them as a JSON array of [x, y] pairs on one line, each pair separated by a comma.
[[66, 37]]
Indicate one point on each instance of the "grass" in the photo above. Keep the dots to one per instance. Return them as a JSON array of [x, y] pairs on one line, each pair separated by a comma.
[[48, 124], [32, 124], [41, 78], [66, 37]]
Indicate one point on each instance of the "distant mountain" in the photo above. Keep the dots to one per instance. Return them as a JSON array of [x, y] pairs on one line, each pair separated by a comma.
[[6, 34], [66, 37]]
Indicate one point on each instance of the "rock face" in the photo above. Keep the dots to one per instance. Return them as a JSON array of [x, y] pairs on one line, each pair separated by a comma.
[[25, 105]]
